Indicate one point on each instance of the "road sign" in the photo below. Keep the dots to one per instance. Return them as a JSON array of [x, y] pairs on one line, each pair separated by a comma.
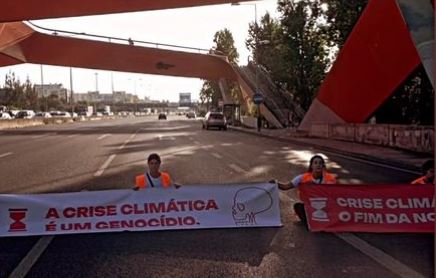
[[220, 103], [258, 98]]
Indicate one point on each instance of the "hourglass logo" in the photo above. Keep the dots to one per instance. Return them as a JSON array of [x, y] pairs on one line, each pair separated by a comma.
[[319, 204], [17, 215]]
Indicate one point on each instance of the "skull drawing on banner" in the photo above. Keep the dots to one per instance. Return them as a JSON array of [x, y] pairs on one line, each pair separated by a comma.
[[248, 202]]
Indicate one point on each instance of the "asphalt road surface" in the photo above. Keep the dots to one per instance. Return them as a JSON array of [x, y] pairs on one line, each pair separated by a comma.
[[108, 154]]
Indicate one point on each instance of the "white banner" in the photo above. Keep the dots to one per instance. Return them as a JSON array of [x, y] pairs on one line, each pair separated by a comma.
[[190, 207]]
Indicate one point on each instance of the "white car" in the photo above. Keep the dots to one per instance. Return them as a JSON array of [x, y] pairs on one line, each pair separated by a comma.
[[42, 115], [5, 116]]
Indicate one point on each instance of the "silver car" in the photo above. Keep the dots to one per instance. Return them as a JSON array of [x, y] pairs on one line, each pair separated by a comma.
[[215, 119]]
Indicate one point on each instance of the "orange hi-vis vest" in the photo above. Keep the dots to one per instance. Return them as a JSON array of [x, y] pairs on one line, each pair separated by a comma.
[[327, 178], [421, 180], [307, 178], [141, 180]]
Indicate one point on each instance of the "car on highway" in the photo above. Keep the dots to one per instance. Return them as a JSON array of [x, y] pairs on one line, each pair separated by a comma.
[[41, 115], [214, 119], [25, 114], [5, 116], [191, 114], [162, 116]]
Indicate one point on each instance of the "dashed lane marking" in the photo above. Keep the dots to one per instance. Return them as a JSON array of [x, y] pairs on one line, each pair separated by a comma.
[[104, 166], [72, 135], [30, 259], [236, 168], [41, 136], [217, 155], [103, 136], [5, 154], [379, 256]]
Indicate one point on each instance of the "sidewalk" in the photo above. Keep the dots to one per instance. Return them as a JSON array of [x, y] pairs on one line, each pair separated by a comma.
[[399, 158]]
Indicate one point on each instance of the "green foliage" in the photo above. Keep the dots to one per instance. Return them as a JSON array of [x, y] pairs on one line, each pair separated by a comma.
[[210, 93], [297, 53], [341, 16], [411, 103], [225, 44]]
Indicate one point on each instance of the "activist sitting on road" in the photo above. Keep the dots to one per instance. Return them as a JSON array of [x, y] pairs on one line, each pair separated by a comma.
[[428, 173], [154, 178], [316, 174]]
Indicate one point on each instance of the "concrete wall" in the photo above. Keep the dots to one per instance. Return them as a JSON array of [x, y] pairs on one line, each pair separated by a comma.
[[19, 123], [408, 137], [249, 121]]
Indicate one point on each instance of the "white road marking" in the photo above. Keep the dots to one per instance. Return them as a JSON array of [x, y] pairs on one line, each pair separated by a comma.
[[103, 136], [5, 154], [377, 164], [40, 136], [104, 166], [379, 256], [196, 142], [72, 135], [217, 155], [30, 259], [236, 168]]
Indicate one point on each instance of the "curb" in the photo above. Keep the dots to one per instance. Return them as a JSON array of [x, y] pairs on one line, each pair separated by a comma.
[[389, 162]]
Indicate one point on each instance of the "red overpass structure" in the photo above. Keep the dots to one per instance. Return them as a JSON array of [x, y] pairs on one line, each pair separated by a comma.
[[377, 57]]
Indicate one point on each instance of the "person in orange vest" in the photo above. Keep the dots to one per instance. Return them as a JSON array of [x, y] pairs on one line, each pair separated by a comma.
[[154, 178], [315, 174], [428, 173]]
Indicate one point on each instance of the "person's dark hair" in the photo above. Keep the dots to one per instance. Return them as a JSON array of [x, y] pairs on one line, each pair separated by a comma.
[[153, 156], [429, 164], [312, 159]]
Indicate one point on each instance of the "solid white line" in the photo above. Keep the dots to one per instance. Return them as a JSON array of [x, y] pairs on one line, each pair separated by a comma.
[[39, 136], [379, 256], [103, 136], [30, 259], [236, 168], [378, 164], [104, 166], [5, 154], [217, 155]]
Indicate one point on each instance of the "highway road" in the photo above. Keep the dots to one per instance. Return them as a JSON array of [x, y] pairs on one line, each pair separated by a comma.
[[107, 154]]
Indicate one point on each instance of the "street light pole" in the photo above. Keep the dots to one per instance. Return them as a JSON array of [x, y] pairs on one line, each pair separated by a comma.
[[96, 81], [72, 90], [42, 87]]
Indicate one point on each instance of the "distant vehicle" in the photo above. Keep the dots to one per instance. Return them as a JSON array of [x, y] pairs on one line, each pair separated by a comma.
[[60, 114], [25, 114], [162, 116], [191, 115], [5, 116], [42, 115], [214, 119]]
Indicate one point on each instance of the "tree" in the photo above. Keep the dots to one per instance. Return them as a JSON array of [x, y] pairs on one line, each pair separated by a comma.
[[225, 44], [341, 16], [210, 92]]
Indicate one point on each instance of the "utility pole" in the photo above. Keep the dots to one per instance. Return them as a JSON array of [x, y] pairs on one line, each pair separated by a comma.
[[96, 82], [42, 88], [72, 90]]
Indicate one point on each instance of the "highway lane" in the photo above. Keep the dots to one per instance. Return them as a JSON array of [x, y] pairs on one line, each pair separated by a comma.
[[193, 156]]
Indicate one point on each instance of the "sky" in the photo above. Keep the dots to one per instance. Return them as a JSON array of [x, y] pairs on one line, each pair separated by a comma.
[[192, 27]]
